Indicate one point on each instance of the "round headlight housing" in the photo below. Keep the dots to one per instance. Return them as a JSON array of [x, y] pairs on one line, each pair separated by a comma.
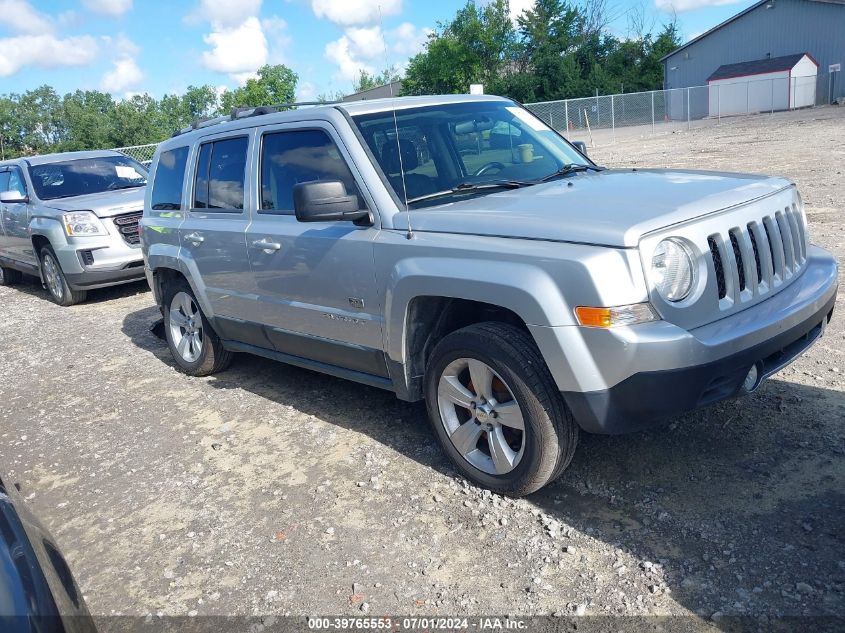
[[673, 270]]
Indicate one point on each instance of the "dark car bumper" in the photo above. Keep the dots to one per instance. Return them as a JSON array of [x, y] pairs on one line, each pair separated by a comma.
[[646, 398], [91, 279]]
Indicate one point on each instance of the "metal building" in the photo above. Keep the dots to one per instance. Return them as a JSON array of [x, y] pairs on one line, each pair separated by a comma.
[[767, 29]]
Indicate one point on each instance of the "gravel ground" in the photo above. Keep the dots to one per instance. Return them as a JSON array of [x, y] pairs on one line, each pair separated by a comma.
[[274, 490]]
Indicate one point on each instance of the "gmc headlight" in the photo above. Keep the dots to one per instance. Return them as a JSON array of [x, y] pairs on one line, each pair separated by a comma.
[[82, 224], [673, 270]]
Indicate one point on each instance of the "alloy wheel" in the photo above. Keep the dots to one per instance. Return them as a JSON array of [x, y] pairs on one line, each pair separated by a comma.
[[481, 416], [53, 277], [186, 327]]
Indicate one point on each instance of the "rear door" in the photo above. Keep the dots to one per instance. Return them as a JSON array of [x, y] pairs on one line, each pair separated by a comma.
[[315, 282], [213, 233], [18, 242]]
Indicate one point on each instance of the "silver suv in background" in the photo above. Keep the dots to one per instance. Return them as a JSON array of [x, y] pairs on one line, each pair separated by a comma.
[[72, 220], [459, 251]]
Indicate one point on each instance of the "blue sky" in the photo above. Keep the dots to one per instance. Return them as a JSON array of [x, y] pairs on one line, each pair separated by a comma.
[[160, 46]]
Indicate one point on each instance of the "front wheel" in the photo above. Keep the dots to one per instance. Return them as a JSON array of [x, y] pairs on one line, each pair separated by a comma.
[[55, 281], [496, 410], [195, 346]]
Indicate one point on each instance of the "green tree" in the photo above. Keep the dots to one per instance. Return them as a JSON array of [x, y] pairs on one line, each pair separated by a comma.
[[273, 85], [478, 46], [366, 81]]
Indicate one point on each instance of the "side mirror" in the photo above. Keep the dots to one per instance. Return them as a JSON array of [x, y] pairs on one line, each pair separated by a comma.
[[325, 201], [13, 197], [581, 146]]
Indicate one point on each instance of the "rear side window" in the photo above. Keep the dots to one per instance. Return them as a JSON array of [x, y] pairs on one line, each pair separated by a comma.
[[221, 171], [4, 181], [290, 158], [169, 178]]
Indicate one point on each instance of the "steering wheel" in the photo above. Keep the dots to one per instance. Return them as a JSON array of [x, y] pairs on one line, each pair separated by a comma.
[[488, 166]]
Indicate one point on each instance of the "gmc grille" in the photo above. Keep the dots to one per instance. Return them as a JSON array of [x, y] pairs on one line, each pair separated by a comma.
[[752, 260], [127, 226]]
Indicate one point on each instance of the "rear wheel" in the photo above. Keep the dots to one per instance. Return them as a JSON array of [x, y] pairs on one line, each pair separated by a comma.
[[195, 346], [9, 276], [496, 410], [55, 281]]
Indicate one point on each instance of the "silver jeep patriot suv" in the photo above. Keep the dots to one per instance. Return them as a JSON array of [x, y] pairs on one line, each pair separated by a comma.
[[457, 250], [72, 220]]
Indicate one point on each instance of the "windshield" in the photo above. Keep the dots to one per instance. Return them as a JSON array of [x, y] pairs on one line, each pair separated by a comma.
[[86, 175], [456, 146]]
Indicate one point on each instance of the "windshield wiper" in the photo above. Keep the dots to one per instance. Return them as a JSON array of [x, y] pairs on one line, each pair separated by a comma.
[[469, 187], [127, 186], [570, 168]]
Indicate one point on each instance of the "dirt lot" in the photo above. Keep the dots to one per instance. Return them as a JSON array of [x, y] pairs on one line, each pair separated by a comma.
[[270, 489]]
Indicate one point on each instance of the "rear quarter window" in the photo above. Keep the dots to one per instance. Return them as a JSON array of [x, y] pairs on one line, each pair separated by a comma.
[[169, 180]]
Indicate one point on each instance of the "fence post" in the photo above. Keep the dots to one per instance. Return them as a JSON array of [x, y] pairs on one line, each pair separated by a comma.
[[551, 118], [613, 116], [689, 120], [772, 103], [719, 99], [566, 106], [652, 111]]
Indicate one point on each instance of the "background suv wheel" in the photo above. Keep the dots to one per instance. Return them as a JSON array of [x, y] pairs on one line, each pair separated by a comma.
[[496, 410], [195, 346], [55, 281]]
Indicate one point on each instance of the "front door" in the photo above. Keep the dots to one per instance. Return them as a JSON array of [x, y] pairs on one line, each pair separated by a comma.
[[15, 217], [212, 236], [314, 281]]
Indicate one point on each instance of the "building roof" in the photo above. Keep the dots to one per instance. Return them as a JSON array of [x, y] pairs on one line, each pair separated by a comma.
[[733, 19], [759, 66], [385, 90]]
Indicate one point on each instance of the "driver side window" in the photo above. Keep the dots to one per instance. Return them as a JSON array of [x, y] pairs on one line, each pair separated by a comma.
[[16, 182]]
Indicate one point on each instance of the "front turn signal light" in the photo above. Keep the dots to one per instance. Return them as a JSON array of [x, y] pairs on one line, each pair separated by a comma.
[[619, 315]]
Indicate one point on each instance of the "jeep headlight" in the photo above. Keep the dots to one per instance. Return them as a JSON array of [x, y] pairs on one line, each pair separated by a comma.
[[82, 224], [673, 270]]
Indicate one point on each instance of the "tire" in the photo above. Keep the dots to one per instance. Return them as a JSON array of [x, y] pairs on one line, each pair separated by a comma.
[[10, 276], [201, 352], [54, 280], [502, 458]]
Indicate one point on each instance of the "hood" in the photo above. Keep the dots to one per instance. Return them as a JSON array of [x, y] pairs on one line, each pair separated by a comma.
[[611, 208], [105, 204]]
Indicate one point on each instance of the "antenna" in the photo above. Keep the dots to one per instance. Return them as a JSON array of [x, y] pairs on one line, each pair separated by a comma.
[[410, 234]]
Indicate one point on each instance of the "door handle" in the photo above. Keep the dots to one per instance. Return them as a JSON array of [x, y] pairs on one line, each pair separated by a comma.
[[267, 246], [194, 238]]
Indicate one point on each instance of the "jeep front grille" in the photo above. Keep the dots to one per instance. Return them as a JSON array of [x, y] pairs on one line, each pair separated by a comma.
[[753, 260], [127, 226]]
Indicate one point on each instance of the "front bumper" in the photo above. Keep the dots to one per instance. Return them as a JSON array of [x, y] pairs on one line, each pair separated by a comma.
[[97, 262], [658, 370]]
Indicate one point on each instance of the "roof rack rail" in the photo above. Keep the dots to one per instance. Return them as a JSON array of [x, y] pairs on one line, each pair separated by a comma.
[[243, 112]]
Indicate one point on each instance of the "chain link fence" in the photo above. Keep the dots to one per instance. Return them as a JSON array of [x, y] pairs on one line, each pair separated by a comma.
[[142, 153], [599, 119]]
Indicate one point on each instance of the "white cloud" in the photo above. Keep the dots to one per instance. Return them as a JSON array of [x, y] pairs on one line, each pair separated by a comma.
[[225, 13], [21, 17], [306, 91], [113, 8], [688, 5], [45, 51], [278, 38], [238, 51], [518, 6], [408, 40], [124, 75], [366, 43], [352, 12], [349, 67]]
